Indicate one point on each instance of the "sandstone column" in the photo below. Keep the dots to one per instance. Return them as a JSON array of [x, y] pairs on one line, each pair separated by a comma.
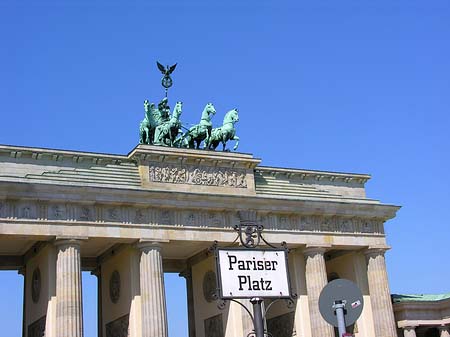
[[409, 331], [69, 313], [153, 299], [316, 279], [383, 313], [187, 274], [98, 273], [23, 271], [444, 331]]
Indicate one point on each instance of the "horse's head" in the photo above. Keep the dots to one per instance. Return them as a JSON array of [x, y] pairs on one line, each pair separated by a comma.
[[209, 108], [231, 116], [208, 111], [148, 107], [177, 109]]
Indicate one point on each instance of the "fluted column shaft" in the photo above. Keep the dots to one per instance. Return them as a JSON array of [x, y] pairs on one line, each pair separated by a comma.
[[380, 296], [153, 298], [409, 331], [187, 274], [444, 331], [316, 279], [69, 311]]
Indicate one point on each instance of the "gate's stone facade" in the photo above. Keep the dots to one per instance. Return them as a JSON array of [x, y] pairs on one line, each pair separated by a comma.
[[130, 218]]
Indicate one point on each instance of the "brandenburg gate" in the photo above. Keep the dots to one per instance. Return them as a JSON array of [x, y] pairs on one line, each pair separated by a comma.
[[131, 218]]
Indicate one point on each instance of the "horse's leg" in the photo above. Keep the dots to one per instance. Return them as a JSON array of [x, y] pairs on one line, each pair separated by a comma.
[[151, 133], [146, 135], [224, 141], [172, 137], [236, 138], [206, 141]]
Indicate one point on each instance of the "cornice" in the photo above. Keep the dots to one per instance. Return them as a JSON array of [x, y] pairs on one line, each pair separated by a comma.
[[422, 305], [200, 157], [59, 155], [314, 174]]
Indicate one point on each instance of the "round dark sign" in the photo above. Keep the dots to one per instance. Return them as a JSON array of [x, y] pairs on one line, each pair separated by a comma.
[[114, 286], [341, 290], [36, 285]]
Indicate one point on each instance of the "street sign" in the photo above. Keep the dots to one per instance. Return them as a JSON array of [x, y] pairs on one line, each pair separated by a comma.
[[253, 273], [344, 295]]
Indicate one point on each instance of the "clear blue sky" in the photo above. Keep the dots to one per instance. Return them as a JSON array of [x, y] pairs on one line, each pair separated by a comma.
[[351, 85]]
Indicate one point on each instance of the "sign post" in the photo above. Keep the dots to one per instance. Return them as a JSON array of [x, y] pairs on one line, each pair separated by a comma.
[[254, 274], [258, 317], [340, 304]]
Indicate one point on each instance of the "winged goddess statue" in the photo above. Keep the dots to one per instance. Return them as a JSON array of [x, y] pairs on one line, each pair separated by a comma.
[[166, 81]]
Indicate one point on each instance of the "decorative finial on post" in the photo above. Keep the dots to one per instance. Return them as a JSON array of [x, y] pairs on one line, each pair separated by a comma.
[[166, 81]]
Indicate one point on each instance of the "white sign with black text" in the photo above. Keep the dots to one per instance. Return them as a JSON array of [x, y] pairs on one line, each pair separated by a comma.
[[248, 273]]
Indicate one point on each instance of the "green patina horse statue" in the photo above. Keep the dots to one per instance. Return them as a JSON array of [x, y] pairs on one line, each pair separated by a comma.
[[148, 124], [201, 131], [224, 133], [166, 132]]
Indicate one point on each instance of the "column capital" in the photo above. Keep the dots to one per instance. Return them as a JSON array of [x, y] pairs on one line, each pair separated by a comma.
[[97, 271], [64, 241], [444, 328], [186, 273], [145, 245], [375, 251], [314, 250], [409, 327], [409, 331]]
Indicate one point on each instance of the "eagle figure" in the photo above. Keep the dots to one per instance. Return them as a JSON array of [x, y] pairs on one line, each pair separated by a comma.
[[167, 70]]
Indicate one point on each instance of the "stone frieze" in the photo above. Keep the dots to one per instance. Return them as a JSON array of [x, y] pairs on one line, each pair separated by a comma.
[[154, 216], [195, 175]]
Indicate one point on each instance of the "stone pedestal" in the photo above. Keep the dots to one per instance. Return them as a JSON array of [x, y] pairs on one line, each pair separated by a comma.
[[153, 299], [316, 279], [69, 312], [409, 331], [444, 331], [383, 314]]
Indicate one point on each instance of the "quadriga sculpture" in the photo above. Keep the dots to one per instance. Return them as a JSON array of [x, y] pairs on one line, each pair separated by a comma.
[[148, 124], [224, 133], [201, 131], [166, 132]]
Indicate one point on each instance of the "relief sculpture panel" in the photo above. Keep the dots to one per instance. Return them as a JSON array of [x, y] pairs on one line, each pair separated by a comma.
[[282, 326], [37, 328], [118, 328], [214, 326], [193, 175]]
